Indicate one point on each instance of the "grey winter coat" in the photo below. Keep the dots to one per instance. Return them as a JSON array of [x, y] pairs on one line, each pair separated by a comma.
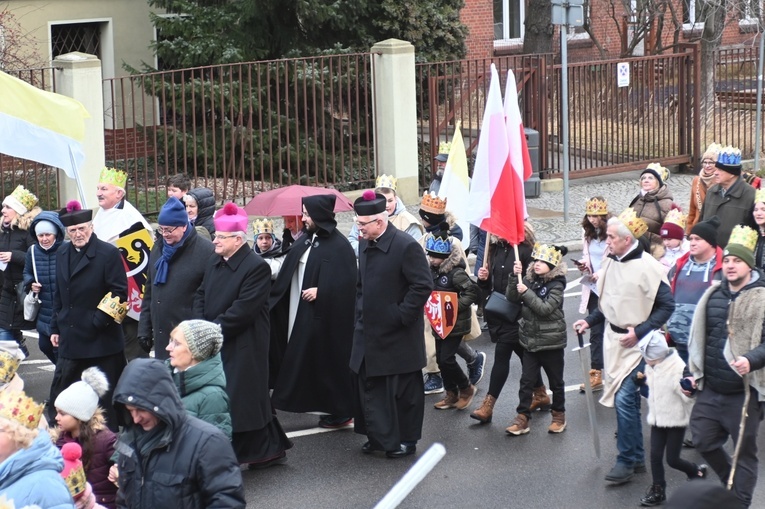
[[183, 462], [732, 209], [543, 324]]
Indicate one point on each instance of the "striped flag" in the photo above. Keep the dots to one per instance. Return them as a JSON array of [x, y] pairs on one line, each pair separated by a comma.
[[520, 160], [41, 126], [455, 184]]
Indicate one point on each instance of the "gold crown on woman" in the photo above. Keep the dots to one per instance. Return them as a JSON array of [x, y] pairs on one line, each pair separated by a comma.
[[743, 236], [262, 226], [112, 306], [633, 223], [386, 181], [18, 407], [661, 170], [24, 197], [546, 253], [596, 207], [759, 196], [676, 216], [9, 364], [433, 204], [113, 176]]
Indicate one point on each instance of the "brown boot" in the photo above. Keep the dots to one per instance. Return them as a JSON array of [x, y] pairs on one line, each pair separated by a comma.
[[596, 381], [449, 401], [558, 422], [466, 397], [484, 412], [540, 400], [519, 426]]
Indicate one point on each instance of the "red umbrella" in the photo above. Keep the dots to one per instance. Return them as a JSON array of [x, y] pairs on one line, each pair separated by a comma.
[[287, 201]]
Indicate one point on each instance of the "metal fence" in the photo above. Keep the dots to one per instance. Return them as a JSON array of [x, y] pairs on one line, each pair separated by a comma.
[[40, 179], [243, 128]]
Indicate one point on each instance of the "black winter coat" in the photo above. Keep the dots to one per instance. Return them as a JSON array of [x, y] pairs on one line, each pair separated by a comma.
[[188, 464], [451, 276], [206, 208], [15, 238], [85, 331], [166, 305], [234, 294], [394, 285], [45, 262]]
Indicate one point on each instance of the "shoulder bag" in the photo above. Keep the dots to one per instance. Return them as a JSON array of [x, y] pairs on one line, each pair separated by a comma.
[[31, 300]]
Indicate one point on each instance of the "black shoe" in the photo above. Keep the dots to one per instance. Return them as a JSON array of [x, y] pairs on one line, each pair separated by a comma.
[[701, 472], [620, 474], [281, 458], [334, 422], [404, 450], [687, 442], [368, 448], [654, 496]]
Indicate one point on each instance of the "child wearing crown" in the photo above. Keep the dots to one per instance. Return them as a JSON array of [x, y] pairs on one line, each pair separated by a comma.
[[448, 269], [542, 332], [267, 245], [673, 237]]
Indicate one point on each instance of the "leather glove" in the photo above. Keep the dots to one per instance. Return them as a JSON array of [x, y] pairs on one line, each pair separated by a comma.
[[146, 343]]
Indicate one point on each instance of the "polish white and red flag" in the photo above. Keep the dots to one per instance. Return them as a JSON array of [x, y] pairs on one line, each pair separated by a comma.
[[502, 163]]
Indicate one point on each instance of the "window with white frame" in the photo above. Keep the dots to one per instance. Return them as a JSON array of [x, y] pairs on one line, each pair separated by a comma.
[[692, 13], [509, 16], [750, 10]]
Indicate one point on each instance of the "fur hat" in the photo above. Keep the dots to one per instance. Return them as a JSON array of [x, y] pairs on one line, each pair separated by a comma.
[[707, 230], [173, 213], [80, 399], [204, 338]]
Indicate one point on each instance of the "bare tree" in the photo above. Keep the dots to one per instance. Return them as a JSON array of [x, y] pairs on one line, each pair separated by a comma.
[[16, 46]]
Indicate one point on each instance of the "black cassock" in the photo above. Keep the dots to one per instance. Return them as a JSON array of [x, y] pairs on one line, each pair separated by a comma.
[[310, 373]]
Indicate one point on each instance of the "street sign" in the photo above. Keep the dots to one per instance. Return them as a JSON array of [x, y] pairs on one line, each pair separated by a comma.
[[622, 74], [569, 13]]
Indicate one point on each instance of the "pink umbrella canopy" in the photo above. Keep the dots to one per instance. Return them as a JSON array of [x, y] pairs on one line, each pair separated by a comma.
[[287, 201]]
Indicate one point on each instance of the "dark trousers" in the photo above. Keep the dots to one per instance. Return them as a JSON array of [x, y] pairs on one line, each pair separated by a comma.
[[671, 440], [503, 352], [596, 336], [389, 409], [132, 349], [47, 348], [552, 362], [446, 354], [716, 417], [69, 371]]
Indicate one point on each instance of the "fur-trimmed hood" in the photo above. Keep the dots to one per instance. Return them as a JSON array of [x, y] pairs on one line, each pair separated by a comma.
[[452, 261], [558, 271], [24, 221]]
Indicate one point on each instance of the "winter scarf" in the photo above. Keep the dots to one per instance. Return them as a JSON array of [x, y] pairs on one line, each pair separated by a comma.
[[163, 263]]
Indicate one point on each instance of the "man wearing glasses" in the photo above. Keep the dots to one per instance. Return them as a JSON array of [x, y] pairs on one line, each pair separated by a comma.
[[88, 306], [176, 267], [234, 294], [388, 352]]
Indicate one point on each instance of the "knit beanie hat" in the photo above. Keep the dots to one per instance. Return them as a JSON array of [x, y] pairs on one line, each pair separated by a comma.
[[707, 230], [654, 346], [674, 224], [741, 244], [204, 338], [44, 226], [73, 473], [173, 213], [80, 399]]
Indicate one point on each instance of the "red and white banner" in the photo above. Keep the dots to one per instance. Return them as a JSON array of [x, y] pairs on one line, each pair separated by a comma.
[[441, 310]]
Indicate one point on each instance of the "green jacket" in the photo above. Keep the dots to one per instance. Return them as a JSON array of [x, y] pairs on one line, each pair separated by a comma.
[[202, 388], [543, 325], [450, 276]]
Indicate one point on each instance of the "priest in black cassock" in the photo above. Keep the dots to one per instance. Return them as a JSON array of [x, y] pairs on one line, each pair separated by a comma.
[[388, 352], [312, 317]]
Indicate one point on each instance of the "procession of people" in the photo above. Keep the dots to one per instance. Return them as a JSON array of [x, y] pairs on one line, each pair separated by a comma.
[[358, 329]]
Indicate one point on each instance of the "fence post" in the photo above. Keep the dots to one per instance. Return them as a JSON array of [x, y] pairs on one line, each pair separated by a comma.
[[78, 75], [395, 115]]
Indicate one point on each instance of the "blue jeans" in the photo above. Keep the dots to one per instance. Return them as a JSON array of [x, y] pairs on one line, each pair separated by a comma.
[[682, 351], [629, 427], [10, 335]]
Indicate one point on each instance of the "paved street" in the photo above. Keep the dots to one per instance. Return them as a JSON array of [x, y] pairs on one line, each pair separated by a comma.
[[483, 466]]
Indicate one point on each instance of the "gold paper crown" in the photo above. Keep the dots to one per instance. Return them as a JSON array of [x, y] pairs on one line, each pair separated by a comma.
[[633, 223], [713, 148], [547, 254], [759, 196], [677, 217], [661, 170], [24, 197], [433, 204], [9, 364], [111, 306], [18, 407], [444, 147], [113, 176], [743, 236], [262, 226], [75, 481], [387, 181], [596, 207]]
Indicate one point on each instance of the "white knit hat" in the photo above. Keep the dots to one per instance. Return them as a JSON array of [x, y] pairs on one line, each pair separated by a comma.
[[80, 399], [204, 338]]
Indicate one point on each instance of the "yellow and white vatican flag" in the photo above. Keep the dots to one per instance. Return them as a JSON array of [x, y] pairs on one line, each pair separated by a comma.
[[41, 126]]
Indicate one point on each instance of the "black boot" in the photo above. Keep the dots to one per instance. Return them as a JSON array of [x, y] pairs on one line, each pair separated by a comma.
[[654, 496]]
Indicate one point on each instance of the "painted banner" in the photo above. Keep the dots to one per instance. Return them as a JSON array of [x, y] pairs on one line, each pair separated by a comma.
[[441, 310], [135, 245]]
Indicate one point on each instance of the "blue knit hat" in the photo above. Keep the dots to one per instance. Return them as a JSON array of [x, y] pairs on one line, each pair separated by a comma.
[[173, 213]]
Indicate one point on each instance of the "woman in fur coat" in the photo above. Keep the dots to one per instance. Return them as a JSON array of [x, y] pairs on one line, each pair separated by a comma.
[[669, 411]]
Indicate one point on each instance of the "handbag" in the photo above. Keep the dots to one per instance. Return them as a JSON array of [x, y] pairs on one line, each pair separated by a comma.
[[475, 326], [31, 300], [499, 309]]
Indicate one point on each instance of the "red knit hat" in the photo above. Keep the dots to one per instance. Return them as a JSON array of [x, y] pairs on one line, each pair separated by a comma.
[[674, 224]]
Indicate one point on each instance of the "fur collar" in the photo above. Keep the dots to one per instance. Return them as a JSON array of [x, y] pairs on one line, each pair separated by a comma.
[[454, 260]]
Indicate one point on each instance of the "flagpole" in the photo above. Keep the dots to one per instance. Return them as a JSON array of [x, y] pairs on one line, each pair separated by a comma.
[[76, 172]]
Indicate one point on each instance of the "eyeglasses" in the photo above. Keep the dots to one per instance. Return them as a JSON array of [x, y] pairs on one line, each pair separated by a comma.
[[223, 237], [707, 162], [77, 229], [174, 343], [166, 230], [364, 223]]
